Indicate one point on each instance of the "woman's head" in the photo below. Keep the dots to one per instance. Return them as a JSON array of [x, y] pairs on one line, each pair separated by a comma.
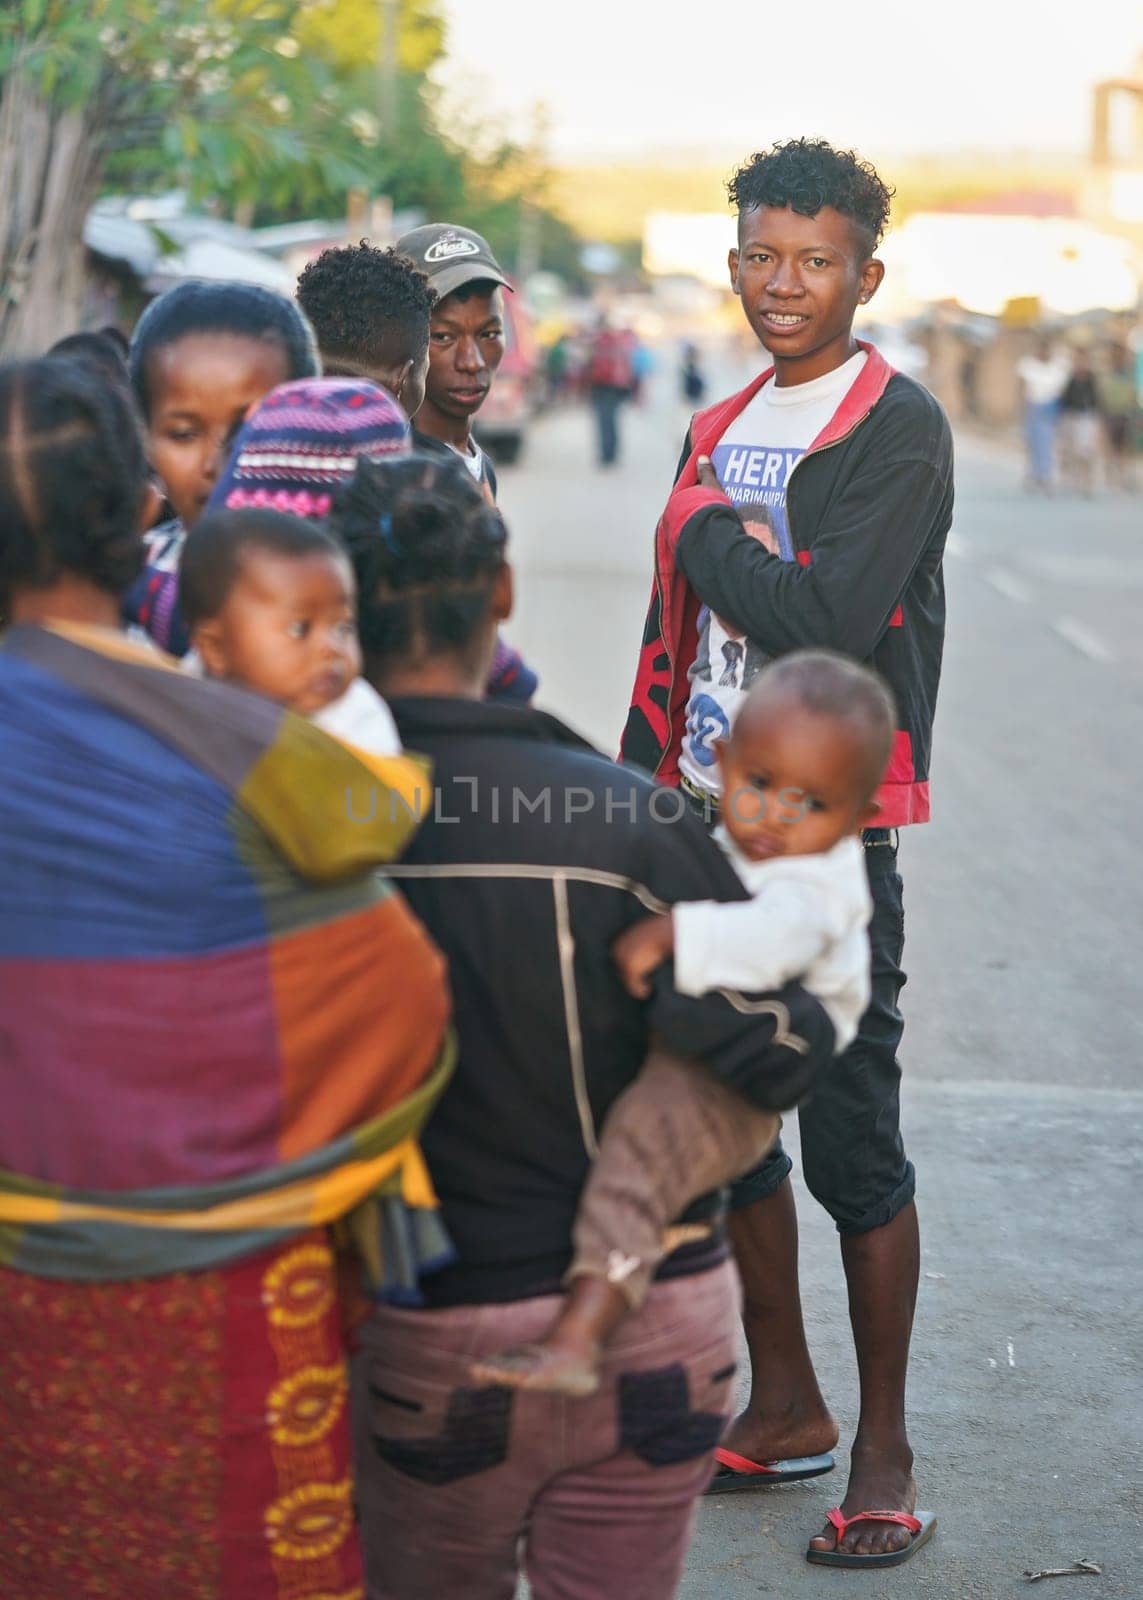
[[104, 349], [73, 476], [433, 581], [202, 355]]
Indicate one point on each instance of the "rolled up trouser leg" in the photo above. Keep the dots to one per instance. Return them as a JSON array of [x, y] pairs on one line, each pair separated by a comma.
[[675, 1134]]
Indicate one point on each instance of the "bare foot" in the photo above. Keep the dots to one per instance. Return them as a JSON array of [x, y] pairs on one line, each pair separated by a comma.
[[785, 1435], [552, 1368], [880, 1479]]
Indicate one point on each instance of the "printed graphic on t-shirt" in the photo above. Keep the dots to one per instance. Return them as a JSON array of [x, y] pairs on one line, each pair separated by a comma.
[[754, 479], [729, 663], [754, 460]]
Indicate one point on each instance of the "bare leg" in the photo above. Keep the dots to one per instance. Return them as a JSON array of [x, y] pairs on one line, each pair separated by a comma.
[[785, 1415], [881, 1268]]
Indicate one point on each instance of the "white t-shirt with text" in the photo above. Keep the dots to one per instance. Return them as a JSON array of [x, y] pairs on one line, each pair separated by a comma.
[[753, 460]]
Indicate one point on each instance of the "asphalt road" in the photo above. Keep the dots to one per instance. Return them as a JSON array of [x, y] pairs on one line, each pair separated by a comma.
[[1024, 1008]]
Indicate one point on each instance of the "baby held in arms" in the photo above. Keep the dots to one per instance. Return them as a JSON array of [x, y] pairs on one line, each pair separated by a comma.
[[270, 602], [799, 775]]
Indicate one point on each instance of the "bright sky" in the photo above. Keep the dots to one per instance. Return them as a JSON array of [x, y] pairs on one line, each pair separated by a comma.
[[637, 77]]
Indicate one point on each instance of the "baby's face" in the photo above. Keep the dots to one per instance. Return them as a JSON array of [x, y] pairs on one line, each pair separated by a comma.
[[288, 630], [792, 782]]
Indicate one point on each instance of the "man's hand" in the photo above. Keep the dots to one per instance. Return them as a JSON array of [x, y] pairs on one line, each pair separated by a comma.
[[707, 476], [640, 949]]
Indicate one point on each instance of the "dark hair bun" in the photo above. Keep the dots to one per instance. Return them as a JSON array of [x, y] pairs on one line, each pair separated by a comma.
[[427, 548]]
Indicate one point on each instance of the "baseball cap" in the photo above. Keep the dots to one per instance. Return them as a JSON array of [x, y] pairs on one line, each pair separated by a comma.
[[450, 256]]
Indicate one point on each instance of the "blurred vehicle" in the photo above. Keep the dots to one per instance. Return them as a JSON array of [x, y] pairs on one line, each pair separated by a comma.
[[502, 422]]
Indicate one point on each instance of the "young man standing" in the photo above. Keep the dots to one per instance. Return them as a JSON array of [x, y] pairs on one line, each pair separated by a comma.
[[375, 314], [466, 339], [854, 465]]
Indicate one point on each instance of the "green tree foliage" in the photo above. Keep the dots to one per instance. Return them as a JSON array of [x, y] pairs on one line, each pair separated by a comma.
[[266, 105], [348, 32], [220, 97]]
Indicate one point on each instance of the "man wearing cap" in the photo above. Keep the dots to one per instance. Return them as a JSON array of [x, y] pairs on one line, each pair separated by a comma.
[[466, 339]]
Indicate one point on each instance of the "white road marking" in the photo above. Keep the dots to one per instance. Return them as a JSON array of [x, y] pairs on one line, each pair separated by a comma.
[[1011, 1354], [1116, 572], [1007, 584], [955, 546], [1081, 639]]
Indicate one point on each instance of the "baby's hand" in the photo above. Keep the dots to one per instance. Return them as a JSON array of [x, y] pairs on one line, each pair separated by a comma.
[[640, 950]]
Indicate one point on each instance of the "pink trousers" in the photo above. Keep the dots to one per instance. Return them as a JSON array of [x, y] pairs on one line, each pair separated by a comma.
[[461, 1487]]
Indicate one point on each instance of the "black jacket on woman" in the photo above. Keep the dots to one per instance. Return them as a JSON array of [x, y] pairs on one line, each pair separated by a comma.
[[539, 852]]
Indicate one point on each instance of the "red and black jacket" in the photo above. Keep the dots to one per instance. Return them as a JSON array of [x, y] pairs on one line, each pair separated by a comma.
[[869, 508]]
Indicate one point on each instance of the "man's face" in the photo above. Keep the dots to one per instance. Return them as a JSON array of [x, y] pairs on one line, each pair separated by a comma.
[[466, 345], [800, 280]]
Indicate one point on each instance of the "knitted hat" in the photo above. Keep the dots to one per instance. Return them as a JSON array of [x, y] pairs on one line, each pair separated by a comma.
[[303, 441]]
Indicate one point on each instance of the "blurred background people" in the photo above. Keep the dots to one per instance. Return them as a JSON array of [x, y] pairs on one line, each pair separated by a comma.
[[1118, 400], [557, 369], [692, 381], [1080, 426], [611, 380], [1043, 375]]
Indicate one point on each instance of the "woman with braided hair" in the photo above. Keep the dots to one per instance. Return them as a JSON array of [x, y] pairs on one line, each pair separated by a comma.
[[432, 573], [539, 853], [221, 1031]]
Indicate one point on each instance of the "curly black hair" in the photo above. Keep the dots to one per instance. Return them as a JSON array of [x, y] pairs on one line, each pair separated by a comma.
[[73, 474], [807, 174], [369, 307], [427, 549]]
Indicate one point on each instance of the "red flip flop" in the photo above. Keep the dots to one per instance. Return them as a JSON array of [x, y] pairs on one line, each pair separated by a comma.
[[921, 1527], [737, 1472]]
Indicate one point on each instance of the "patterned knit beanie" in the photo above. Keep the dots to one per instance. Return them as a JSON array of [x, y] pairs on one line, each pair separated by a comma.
[[302, 442]]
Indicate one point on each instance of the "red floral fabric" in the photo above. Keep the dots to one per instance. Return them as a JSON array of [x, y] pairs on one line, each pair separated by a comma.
[[180, 1438]]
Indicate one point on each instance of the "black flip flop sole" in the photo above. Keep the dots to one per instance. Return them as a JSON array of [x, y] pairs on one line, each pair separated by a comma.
[[729, 1481], [891, 1558]]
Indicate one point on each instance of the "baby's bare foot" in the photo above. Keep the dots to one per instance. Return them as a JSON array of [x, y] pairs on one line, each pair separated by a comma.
[[550, 1368]]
